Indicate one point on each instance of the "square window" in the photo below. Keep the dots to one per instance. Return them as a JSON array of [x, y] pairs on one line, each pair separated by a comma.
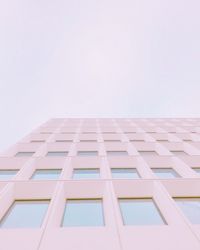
[[87, 153], [64, 140], [68, 132], [89, 132], [24, 154], [83, 212], [124, 173], [46, 174], [142, 211], [57, 153], [148, 153], [88, 140], [137, 140], [109, 132], [131, 132], [90, 173], [168, 173], [37, 141], [25, 214], [117, 153], [112, 140], [197, 170], [190, 207], [7, 174], [179, 152]]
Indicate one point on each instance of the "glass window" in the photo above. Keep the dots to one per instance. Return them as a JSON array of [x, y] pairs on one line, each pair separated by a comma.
[[86, 173], [165, 172], [64, 140], [57, 153], [46, 174], [109, 132], [112, 140], [124, 173], [25, 214], [87, 153], [89, 132], [37, 141], [88, 140], [26, 154], [137, 140], [148, 153], [69, 132], [197, 170], [7, 174], [179, 152], [140, 212], [191, 208], [117, 153], [83, 212]]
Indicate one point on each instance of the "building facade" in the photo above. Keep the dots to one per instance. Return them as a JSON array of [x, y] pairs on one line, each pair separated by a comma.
[[103, 184]]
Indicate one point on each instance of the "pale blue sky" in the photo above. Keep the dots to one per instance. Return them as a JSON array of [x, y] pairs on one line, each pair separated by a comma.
[[103, 58]]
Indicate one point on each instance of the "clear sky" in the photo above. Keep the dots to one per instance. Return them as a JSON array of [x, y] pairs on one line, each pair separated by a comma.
[[58, 58]]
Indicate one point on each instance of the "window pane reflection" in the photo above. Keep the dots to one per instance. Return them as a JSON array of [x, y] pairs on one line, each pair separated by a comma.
[[24, 214], [140, 212]]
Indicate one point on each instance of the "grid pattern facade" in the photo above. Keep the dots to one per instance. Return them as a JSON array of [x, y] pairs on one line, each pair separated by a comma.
[[113, 162]]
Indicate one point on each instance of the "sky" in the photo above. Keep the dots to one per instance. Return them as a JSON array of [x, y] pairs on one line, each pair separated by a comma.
[[96, 58]]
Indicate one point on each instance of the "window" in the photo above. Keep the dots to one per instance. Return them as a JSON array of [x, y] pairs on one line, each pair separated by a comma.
[[124, 173], [112, 140], [87, 153], [26, 154], [140, 211], [46, 174], [137, 140], [83, 212], [165, 172], [88, 140], [191, 208], [25, 214], [7, 174], [148, 153], [179, 152], [64, 140], [86, 173], [89, 132], [69, 132], [57, 153], [38, 141], [197, 170], [117, 153], [109, 132]]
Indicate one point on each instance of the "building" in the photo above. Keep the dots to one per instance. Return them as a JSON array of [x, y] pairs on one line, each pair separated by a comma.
[[103, 184]]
